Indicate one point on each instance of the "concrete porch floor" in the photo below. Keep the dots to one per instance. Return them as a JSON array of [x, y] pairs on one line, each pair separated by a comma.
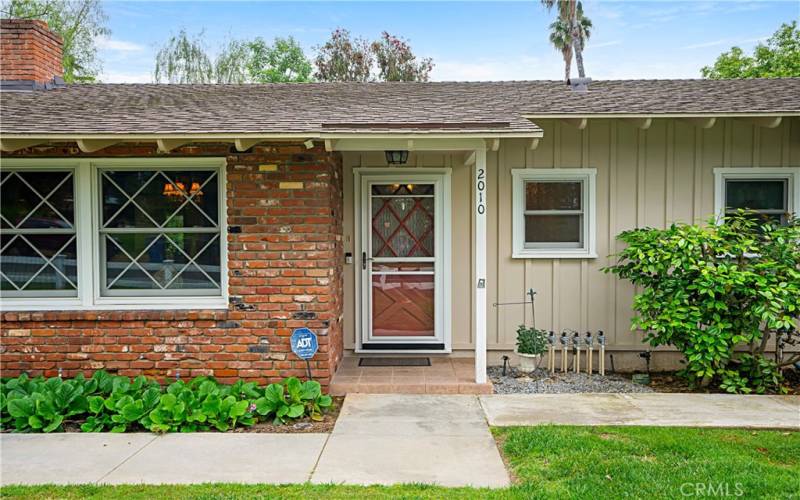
[[444, 376]]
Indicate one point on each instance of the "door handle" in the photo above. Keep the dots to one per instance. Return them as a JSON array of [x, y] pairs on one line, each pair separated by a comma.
[[364, 260]]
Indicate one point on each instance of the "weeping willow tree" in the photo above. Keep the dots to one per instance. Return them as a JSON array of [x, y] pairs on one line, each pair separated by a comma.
[[183, 60]]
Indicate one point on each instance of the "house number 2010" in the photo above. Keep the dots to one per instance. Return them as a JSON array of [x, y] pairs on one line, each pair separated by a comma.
[[481, 190]]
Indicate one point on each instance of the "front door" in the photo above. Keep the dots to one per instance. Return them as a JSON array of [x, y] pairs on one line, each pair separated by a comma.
[[402, 248]]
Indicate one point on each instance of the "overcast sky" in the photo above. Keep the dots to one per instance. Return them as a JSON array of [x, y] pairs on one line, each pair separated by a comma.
[[467, 40]]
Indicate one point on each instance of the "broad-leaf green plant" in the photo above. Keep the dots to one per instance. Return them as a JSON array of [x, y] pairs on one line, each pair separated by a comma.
[[720, 293]]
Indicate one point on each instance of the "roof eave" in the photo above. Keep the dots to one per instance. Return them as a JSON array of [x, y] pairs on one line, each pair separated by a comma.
[[721, 114]]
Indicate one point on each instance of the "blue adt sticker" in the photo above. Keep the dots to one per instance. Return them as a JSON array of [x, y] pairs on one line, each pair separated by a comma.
[[304, 343]]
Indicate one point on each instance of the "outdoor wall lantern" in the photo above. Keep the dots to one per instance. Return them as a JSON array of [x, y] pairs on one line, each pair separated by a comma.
[[396, 157]]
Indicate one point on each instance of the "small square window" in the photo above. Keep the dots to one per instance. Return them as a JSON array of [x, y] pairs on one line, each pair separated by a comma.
[[770, 192], [769, 198], [553, 214]]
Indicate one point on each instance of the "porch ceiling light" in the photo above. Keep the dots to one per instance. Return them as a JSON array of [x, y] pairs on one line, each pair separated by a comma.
[[396, 157]]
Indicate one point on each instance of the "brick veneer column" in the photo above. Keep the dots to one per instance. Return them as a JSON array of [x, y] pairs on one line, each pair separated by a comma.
[[285, 271]]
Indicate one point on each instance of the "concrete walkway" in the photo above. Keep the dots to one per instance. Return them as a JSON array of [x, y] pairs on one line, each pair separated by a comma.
[[378, 439], [149, 459], [387, 439], [654, 409]]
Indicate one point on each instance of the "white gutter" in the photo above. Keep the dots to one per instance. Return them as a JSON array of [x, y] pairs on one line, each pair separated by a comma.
[[557, 116], [271, 136]]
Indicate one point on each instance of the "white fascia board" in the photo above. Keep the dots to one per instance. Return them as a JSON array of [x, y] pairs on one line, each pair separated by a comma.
[[557, 116], [194, 137]]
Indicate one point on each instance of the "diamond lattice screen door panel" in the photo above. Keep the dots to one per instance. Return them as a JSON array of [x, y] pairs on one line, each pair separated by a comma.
[[402, 246]]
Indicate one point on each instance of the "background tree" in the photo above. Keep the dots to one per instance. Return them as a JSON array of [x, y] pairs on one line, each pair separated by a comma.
[[184, 60], [78, 22], [396, 61], [569, 32], [283, 61], [780, 57], [390, 58], [343, 59]]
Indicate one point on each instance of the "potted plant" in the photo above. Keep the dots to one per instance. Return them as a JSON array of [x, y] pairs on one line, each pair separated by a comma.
[[531, 344]]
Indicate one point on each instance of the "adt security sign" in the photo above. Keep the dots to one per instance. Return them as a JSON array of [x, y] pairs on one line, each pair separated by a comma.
[[304, 343]]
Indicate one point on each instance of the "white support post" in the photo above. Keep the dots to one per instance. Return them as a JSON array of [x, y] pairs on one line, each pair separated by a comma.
[[479, 244]]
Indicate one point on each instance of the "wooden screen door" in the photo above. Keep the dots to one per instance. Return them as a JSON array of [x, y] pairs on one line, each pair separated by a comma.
[[401, 252]]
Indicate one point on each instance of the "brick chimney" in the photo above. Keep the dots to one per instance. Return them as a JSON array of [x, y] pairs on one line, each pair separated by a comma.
[[30, 55]]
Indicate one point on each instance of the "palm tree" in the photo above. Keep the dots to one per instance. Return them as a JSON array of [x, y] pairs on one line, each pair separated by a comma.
[[569, 32], [561, 39], [581, 26]]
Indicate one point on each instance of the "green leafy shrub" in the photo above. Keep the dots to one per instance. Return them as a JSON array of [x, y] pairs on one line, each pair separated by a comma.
[[531, 340], [39, 405], [118, 404], [708, 290], [293, 399]]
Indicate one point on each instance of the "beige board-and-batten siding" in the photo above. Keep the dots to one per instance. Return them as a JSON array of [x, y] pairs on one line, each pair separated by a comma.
[[644, 178]]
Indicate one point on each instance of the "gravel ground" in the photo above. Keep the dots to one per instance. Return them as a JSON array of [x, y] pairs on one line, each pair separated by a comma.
[[541, 382]]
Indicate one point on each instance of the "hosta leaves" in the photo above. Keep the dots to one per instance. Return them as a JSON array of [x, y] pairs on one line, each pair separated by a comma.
[[311, 390], [96, 404], [118, 404], [55, 424], [21, 407], [295, 411], [239, 408], [294, 389]]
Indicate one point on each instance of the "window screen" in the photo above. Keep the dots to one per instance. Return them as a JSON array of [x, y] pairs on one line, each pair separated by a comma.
[[160, 232], [554, 212], [768, 197], [38, 241]]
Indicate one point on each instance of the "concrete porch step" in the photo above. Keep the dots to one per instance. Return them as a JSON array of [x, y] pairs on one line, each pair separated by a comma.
[[444, 376], [343, 388]]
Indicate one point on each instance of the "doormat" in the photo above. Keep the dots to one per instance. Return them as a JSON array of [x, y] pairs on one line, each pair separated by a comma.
[[394, 362]]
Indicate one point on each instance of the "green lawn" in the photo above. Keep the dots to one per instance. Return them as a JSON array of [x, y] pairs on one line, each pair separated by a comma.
[[559, 462]]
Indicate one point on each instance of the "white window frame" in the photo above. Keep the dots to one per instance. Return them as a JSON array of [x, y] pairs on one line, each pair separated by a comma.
[[87, 219], [790, 174], [588, 179]]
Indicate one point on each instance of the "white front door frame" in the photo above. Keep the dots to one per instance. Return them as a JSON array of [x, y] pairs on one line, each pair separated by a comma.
[[440, 177]]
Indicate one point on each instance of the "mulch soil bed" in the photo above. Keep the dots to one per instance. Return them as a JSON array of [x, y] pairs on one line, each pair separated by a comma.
[[542, 382], [302, 425], [670, 382]]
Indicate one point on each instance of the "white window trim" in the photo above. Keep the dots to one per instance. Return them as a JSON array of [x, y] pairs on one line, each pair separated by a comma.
[[86, 222], [589, 178], [790, 174]]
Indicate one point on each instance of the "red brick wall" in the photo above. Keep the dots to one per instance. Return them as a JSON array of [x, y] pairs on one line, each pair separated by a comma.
[[29, 51], [285, 271]]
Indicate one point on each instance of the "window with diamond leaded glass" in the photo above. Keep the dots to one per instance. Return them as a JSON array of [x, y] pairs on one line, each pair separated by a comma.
[[38, 240], [160, 232]]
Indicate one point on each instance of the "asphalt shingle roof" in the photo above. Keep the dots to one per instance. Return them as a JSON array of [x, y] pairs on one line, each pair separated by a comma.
[[497, 107]]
